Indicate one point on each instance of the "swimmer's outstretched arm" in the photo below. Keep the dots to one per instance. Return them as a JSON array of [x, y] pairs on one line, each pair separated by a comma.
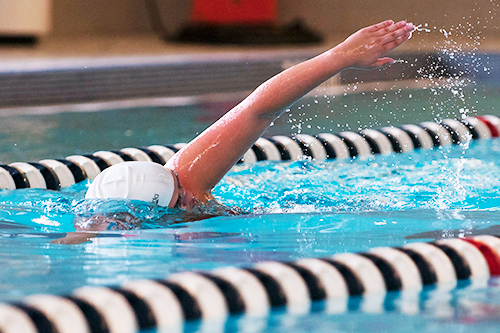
[[206, 159]]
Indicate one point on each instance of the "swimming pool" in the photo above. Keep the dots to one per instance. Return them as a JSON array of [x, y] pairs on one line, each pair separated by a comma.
[[298, 209]]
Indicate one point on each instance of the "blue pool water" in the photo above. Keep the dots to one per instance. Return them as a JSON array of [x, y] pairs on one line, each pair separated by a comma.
[[294, 210]]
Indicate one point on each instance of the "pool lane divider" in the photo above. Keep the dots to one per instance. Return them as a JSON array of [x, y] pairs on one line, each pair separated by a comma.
[[213, 296], [56, 174]]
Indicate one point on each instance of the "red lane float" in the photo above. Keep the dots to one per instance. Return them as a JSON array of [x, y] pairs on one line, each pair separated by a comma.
[[493, 124]]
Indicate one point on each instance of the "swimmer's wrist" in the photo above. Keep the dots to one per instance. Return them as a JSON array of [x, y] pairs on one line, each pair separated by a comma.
[[339, 59]]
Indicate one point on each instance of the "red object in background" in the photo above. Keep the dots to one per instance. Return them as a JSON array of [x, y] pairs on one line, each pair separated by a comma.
[[234, 12]]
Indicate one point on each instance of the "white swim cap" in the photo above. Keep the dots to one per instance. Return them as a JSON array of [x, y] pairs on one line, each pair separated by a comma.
[[146, 181]]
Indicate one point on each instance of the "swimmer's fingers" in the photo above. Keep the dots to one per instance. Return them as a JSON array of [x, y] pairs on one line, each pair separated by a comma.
[[396, 31], [380, 26], [398, 41], [391, 28]]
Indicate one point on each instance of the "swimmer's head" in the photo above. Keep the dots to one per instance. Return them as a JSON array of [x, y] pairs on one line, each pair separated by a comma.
[[145, 181]]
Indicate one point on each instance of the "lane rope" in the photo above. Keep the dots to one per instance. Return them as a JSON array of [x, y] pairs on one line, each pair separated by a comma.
[[56, 174], [213, 296]]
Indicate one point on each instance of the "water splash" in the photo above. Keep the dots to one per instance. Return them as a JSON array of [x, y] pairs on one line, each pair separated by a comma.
[[419, 28], [443, 180]]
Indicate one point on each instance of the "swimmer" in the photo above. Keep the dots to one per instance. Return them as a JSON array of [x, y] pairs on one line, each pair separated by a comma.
[[189, 176]]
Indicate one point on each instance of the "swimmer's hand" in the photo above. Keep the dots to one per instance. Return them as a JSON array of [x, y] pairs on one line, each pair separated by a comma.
[[365, 49], [75, 238]]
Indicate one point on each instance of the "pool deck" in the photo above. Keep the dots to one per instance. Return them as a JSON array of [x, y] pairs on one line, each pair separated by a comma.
[[146, 69]]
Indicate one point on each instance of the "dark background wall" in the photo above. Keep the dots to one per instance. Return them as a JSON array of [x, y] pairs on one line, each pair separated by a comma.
[[331, 17]]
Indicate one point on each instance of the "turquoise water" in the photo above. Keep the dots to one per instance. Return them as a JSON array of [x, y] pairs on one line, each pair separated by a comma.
[[294, 209]]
